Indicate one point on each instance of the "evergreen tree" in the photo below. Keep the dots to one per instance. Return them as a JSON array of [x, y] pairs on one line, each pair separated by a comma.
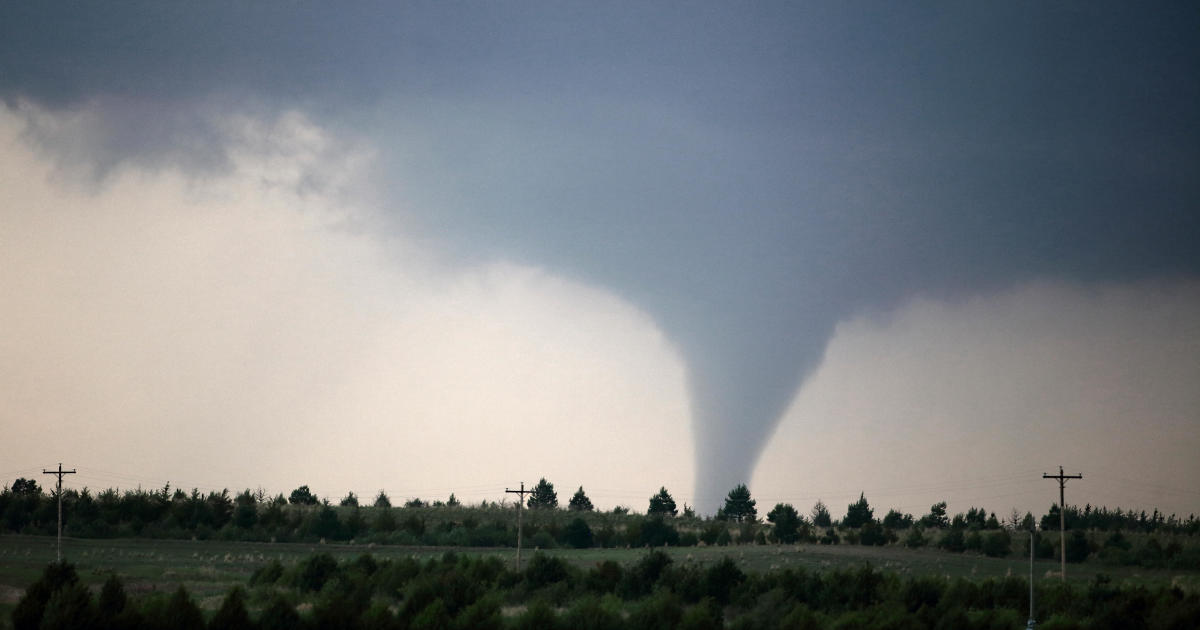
[[382, 500], [302, 496], [787, 522], [543, 496], [577, 534], [738, 505], [662, 503], [580, 502], [820, 515], [232, 614], [858, 513]]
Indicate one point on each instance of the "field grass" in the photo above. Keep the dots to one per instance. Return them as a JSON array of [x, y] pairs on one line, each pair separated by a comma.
[[208, 569]]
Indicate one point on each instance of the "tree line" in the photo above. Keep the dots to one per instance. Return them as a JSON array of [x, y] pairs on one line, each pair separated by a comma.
[[1117, 536]]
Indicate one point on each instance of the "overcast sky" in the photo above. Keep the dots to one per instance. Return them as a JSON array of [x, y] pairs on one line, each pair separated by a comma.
[[926, 252]]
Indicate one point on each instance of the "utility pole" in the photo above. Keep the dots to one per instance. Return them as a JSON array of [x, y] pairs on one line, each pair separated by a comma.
[[1031, 623], [1062, 514], [58, 490], [520, 503]]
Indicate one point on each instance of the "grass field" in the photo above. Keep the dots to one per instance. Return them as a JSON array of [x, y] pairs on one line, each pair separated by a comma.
[[208, 569]]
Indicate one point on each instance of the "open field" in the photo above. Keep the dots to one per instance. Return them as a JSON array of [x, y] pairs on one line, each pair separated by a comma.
[[209, 568]]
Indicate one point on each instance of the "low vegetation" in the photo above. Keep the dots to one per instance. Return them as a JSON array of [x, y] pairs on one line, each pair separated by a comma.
[[656, 590]]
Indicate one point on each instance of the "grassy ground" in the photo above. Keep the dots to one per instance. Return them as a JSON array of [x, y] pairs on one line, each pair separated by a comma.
[[209, 568]]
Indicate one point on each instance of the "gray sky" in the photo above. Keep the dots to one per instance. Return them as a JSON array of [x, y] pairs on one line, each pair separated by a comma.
[[643, 239]]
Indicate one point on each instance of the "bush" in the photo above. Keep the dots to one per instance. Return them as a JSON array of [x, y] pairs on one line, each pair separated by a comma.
[[32, 606], [1077, 547], [432, 617], [537, 616], [279, 614], [69, 608], [662, 610], [997, 544], [577, 534], [268, 573], [588, 613], [656, 532], [232, 614], [721, 578], [544, 570], [703, 616], [953, 540], [482, 614], [604, 577], [312, 573]]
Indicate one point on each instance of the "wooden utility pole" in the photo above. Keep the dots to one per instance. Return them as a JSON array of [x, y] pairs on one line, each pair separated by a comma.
[[1062, 514], [520, 503], [58, 490]]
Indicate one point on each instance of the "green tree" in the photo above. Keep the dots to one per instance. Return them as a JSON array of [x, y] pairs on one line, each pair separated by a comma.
[[382, 500], [302, 496], [662, 503], [180, 612], [1077, 547], [787, 522], [543, 496], [232, 614], [738, 505], [820, 515], [936, 517], [858, 513], [580, 502], [279, 614], [350, 501], [25, 487], [577, 534], [896, 520], [245, 511], [56, 577], [69, 608]]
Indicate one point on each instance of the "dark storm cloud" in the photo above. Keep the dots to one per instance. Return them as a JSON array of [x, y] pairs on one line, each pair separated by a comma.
[[750, 175]]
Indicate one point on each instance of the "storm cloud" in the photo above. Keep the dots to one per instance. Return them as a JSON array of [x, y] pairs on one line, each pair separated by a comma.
[[749, 177]]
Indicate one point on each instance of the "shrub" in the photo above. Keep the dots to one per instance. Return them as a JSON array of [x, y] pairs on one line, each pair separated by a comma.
[[577, 534], [32, 606], [588, 613], [656, 532], [69, 608], [544, 570], [312, 573], [604, 577], [952, 540], [482, 614], [997, 544], [1077, 547], [232, 614], [721, 578], [703, 616], [661, 610], [279, 614], [537, 616], [268, 573], [432, 617]]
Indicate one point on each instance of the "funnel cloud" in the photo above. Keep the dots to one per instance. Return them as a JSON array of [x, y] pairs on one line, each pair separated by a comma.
[[748, 176]]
